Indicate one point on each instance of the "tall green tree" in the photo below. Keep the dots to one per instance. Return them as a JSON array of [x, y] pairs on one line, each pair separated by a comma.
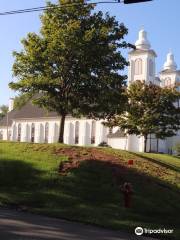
[[22, 99], [3, 111], [168, 122], [74, 63], [150, 110]]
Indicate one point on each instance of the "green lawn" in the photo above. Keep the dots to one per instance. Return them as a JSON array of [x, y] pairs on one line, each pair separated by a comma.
[[29, 177]]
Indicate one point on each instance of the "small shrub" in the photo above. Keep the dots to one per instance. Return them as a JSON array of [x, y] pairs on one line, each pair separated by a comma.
[[177, 149], [103, 144]]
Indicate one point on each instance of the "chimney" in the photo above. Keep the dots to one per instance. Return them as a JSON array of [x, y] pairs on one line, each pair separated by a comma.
[[11, 104]]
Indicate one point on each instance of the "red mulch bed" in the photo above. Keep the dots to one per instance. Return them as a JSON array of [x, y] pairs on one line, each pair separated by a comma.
[[77, 155]]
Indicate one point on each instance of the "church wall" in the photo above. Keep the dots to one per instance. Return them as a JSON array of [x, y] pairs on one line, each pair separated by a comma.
[[3, 133], [87, 133], [134, 143], [118, 143], [148, 68], [85, 129], [167, 76], [26, 130], [22, 131], [153, 142], [163, 146], [132, 76]]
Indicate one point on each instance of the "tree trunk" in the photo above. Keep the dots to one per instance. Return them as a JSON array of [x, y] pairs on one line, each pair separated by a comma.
[[145, 143], [157, 145], [61, 130]]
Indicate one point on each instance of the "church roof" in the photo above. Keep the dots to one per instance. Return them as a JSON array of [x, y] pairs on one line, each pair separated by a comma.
[[170, 63], [139, 51], [170, 71], [142, 42], [118, 134], [7, 120], [28, 111]]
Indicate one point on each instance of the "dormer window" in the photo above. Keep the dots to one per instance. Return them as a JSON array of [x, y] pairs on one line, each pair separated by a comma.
[[138, 66]]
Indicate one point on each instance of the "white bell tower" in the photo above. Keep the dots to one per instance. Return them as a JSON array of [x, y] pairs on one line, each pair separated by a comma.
[[142, 60], [170, 76]]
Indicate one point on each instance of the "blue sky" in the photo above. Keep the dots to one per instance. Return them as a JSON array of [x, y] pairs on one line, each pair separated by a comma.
[[159, 18]]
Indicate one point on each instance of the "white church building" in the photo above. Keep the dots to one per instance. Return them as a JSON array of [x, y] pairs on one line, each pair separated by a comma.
[[34, 124]]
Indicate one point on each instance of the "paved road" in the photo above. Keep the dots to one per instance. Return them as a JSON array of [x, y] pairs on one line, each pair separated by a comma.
[[25, 226]]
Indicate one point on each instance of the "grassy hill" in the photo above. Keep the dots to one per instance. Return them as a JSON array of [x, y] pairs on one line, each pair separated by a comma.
[[83, 184]]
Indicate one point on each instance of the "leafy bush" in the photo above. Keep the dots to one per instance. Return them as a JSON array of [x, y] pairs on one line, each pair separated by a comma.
[[177, 149], [103, 144]]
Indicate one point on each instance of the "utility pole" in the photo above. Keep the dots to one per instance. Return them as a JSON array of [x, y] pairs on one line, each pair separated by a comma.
[[133, 1]]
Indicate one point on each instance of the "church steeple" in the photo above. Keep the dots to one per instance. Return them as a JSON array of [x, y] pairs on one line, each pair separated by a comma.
[[169, 75], [170, 63], [142, 60], [142, 42]]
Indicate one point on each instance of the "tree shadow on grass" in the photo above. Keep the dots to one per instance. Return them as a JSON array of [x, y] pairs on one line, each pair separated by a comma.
[[90, 193], [92, 183], [17, 180], [17, 172]]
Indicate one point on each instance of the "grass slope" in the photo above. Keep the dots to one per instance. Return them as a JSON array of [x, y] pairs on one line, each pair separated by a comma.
[[29, 179]]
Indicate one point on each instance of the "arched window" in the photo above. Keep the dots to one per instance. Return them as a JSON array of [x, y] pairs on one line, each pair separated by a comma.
[[9, 135], [76, 132], [32, 132], [19, 133], [110, 130], [138, 66], [93, 132], [151, 68], [132, 68], [46, 132], [167, 82]]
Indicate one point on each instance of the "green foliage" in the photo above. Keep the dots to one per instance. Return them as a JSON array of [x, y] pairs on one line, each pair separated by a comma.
[[21, 100], [177, 149], [150, 110], [74, 63], [103, 144], [3, 111]]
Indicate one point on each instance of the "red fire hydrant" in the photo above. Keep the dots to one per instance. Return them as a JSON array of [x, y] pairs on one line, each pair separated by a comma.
[[130, 162], [127, 191]]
